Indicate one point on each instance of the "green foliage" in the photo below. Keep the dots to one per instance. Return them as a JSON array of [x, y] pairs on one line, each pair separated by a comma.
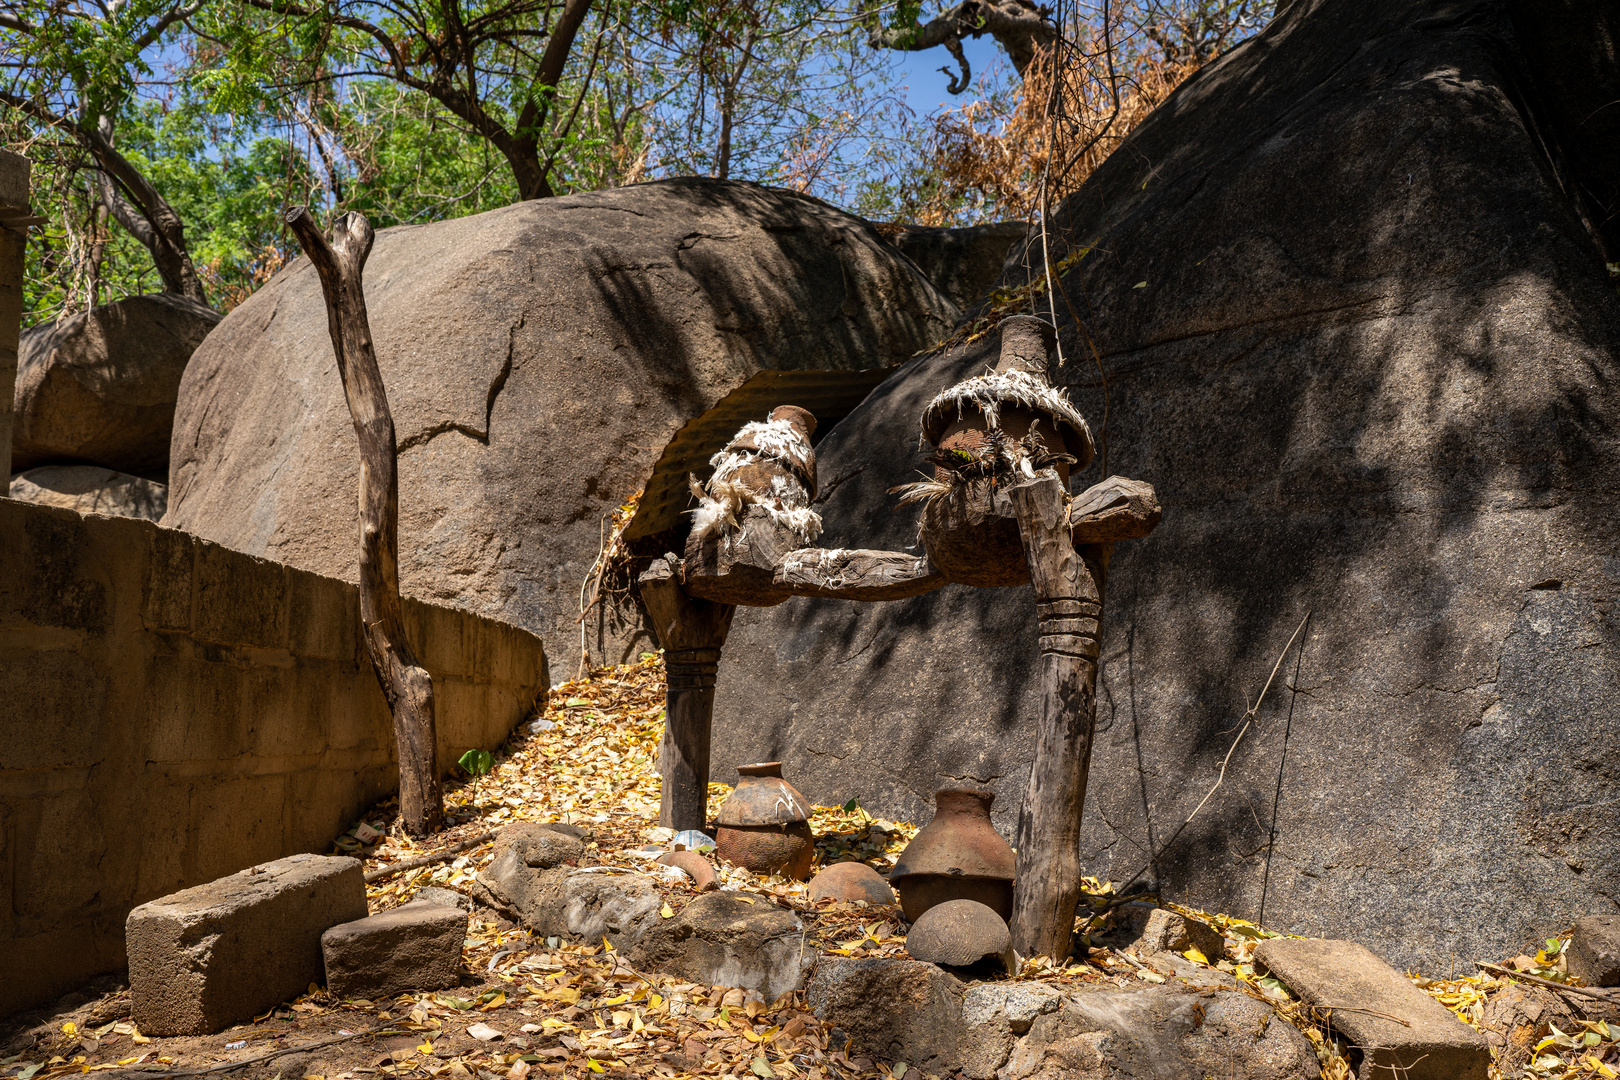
[[477, 762]]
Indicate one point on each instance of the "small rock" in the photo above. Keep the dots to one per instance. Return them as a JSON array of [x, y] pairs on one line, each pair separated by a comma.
[[432, 894], [723, 940], [1519, 1017], [540, 847], [696, 866], [1166, 931], [1423, 1041], [961, 934], [849, 882], [1594, 950], [416, 946], [578, 832], [214, 955]]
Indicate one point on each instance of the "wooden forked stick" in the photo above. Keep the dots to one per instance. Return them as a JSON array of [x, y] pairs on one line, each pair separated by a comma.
[[1537, 980], [405, 683]]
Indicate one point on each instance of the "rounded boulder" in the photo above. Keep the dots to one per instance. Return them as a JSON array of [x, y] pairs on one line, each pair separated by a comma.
[[100, 386], [540, 361]]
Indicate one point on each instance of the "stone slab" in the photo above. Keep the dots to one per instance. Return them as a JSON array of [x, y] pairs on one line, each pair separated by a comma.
[[1594, 950], [1402, 1031], [13, 180], [416, 946], [214, 955]]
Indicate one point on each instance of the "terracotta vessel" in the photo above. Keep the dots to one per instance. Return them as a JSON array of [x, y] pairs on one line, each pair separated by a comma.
[[765, 825], [967, 538], [957, 856]]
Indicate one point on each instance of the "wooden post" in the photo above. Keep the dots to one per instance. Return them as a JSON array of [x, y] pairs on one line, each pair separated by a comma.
[[692, 632], [405, 683], [1068, 602]]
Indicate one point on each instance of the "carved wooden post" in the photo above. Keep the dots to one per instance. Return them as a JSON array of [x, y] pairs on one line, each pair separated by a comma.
[[692, 632], [1068, 603], [405, 683]]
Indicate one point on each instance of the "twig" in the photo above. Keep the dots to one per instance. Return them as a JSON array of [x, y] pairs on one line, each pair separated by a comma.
[[1248, 719], [227, 1066], [1597, 995], [428, 860], [1369, 1012]]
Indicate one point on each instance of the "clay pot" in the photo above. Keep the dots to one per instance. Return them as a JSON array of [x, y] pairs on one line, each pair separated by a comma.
[[967, 538], [765, 825], [957, 856]]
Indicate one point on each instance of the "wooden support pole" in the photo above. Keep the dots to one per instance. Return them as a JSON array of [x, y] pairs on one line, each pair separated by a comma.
[[692, 632], [1068, 602], [405, 683]]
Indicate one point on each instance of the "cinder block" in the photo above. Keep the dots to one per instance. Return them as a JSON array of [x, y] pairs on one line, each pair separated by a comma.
[[211, 956], [413, 947]]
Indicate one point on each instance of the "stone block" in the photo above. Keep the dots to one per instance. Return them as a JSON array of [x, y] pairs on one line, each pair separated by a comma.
[[1423, 1041], [723, 939], [416, 946], [1594, 950], [1165, 931], [217, 954], [194, 708], [323, 618], [240, 600], [166, 588], [239, 821]]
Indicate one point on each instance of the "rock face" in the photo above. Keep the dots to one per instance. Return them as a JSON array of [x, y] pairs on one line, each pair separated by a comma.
[[91, 489], [963, 262], [1359, 335], [538, 360], [100, 386]]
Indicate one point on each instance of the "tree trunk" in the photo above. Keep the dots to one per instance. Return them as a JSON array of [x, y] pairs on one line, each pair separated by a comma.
[[405, 683], [1068, 603], [144, 213], [692, 632]]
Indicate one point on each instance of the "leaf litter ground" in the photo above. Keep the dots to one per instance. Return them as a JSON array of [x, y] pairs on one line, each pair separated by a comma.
[[532, 1007]]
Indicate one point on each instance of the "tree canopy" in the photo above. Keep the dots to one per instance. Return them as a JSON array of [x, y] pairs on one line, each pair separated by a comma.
[[168, 135]]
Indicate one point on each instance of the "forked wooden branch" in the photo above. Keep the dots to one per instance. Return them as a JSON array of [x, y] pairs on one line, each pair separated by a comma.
[[1116, 509], [406, 685], [1068, 602]]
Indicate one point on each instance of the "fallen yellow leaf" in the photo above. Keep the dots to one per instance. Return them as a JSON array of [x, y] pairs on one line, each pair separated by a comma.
[[667, 912], [1194, 954], [70, 1028]]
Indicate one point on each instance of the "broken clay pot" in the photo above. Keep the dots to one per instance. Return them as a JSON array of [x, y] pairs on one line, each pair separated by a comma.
[[765, 825], [957, 856]]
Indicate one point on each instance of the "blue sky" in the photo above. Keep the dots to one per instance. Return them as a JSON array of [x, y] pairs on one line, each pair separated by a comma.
[[926, 86]]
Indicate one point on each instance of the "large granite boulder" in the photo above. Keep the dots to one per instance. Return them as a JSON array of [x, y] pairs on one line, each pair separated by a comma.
[[539, 361], [1358, 332], [99, 387]]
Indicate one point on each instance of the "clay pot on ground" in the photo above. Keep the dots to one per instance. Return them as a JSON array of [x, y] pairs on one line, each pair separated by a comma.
[[963, 935], [765, 825], [849, 882], [957, 856]]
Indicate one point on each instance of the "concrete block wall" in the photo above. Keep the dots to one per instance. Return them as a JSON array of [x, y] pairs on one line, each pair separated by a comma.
[[172, 711]]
